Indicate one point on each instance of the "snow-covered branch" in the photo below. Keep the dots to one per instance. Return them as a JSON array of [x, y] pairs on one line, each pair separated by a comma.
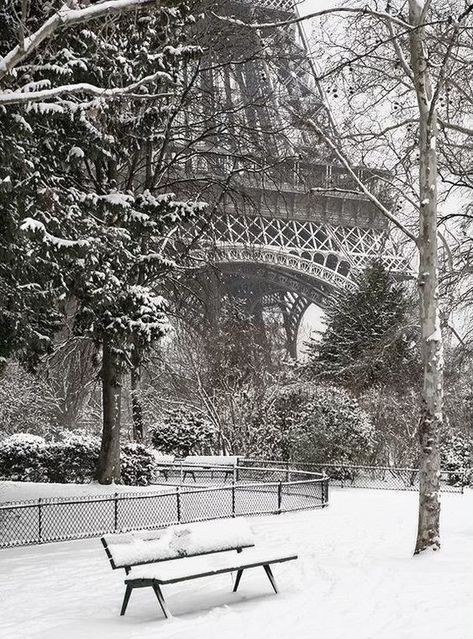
[[22, 97], [64, 18]]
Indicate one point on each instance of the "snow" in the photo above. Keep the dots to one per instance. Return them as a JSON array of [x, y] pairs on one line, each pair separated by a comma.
[[180, 541], [436, 336], [170, 570], [355, 577], [12, 491], [76, 152], [117, 199], [30, 224]]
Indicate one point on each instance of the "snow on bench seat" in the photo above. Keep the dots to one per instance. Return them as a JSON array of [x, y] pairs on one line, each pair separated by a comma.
[[185, 540], [195, 567]]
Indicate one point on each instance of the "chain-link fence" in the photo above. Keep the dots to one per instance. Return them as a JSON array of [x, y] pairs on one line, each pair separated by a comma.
[[56, 519], [358, 476]]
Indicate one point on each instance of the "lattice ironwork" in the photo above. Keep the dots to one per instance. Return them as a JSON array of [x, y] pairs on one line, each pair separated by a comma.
[[360, 476], [283, 5]]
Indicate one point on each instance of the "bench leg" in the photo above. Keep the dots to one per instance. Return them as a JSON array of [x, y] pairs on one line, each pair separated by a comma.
[[271, 578], [162, 603], [126, 599], [237, 580]]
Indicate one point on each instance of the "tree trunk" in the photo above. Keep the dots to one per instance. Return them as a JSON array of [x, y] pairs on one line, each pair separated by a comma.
[[432, 351], [108, 466], [135, 385]]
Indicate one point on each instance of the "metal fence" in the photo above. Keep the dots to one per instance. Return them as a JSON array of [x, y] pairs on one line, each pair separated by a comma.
[[45, 520], [359, 476]]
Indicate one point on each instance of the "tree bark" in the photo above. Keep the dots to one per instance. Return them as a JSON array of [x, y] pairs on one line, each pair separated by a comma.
[[108, 466], [135, 386], [428, 533]]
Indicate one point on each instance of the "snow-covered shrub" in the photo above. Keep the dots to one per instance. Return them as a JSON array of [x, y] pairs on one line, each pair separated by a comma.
[[456, 453], [22, 458], [73, 459], [138, 465], [310, 423], [182, 432]]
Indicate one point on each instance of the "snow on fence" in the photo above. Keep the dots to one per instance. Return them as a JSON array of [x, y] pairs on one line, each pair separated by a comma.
[[60, 519], [362, 476]]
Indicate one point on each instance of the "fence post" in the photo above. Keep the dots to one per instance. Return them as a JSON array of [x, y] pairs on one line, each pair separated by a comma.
[[40, 520], [233, 499], [115, 512], [287, 471], [178, 504], [279, 497]]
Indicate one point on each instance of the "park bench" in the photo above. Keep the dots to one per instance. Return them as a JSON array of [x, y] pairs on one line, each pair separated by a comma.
[[224, 464], [164, 464], [178, 553]]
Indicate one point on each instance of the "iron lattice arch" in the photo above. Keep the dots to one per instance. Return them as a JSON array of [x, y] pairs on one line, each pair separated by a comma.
[[319, 250], [289, 264]]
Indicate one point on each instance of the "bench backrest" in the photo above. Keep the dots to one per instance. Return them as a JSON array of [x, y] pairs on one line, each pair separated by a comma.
[[211, 460], [185, 540]]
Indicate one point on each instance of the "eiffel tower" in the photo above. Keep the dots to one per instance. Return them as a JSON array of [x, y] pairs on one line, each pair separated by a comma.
[[272, 241]]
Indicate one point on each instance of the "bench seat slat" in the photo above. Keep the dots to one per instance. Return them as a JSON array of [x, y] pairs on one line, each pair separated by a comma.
[[170, 572]]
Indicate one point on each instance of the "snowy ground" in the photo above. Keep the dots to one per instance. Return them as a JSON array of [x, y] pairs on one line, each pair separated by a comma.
[[355, 579], [24, 491]]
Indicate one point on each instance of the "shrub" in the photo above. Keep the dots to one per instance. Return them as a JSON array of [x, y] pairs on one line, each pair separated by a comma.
[[72, 460], [26, 402], [138, 465], [456, 453], [182, 432], [22, 458], [310, 423]]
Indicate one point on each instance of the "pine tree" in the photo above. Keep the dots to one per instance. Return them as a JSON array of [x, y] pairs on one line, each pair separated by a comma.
[[370, 339]]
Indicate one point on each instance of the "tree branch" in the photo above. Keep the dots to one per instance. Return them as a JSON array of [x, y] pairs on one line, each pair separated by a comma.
[[309, 122], [19, 97]]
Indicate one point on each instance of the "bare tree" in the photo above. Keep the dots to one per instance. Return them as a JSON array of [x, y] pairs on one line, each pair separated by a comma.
[[382, 81]]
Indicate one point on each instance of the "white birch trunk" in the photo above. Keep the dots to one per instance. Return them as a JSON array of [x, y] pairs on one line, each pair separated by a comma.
[[432, 352]]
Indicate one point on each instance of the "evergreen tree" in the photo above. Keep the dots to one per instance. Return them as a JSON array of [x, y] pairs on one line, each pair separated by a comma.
[[369, 338], [78, 205]]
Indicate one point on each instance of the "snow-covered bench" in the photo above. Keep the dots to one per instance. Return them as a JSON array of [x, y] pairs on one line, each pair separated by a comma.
[[164, 463], [148, 556], [225, 464]]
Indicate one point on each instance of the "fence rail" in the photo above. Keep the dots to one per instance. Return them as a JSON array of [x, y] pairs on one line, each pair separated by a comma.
[[60, 519], [363, 476]]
